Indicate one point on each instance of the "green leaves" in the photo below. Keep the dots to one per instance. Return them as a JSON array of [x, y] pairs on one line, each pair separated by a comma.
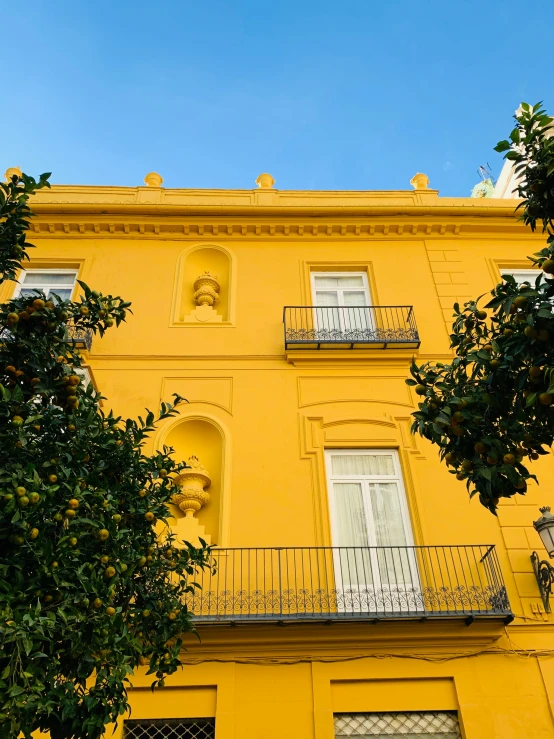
[[491, 411], [80, 560]]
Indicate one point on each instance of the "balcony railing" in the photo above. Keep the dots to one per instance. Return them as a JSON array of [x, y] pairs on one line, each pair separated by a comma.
[[81, 336], [351, 583], [340, 327]]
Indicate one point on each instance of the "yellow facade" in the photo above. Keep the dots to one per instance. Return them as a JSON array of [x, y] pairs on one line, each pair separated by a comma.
[[260, 418]]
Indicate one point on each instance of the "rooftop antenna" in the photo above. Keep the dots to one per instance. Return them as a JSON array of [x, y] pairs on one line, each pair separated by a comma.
[[484, 172]]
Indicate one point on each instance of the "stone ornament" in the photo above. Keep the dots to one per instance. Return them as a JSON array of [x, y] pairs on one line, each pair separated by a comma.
[[10, 172], [191, 483], [206, 289], [153, 179], [420, 181], [265, 181]]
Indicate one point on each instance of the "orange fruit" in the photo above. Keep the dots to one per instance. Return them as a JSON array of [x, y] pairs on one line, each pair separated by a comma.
[[149, 516], [545, 398], [109, 572], [38, 304], [73, 503], [509, 459], [480, 448], [97, 602], [110, 611], [103, 534]]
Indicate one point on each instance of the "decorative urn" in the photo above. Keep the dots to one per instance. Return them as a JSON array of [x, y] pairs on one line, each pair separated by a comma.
[[191, 483], [206, 289]]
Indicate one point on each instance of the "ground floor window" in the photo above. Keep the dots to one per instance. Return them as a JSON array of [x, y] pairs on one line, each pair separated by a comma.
[[413, 725], [185, 728]]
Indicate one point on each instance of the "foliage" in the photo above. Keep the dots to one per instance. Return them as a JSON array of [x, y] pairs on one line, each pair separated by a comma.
[[89, 587], [492, 409]]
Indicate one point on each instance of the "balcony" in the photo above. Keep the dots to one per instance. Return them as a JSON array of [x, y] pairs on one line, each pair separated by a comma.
[[350, 327], [82, 337], [326, 584]]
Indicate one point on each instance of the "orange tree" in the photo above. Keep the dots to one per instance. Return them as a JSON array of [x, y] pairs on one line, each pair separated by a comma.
[[491, 409], [88, 590]]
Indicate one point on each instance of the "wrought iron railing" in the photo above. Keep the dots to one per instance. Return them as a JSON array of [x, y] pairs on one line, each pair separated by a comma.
[[344, 583], [313, 327], [81, 336]]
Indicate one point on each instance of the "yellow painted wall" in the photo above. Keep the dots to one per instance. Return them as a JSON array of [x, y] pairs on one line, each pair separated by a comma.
[[268, 415]]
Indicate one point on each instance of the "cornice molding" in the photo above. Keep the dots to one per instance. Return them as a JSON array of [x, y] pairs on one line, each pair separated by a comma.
[[168, 228]]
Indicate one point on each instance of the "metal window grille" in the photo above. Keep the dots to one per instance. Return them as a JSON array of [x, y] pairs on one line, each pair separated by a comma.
[[413, 725], [191, 728]]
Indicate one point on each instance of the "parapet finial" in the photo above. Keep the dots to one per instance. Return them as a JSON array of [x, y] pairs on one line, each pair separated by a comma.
[[265, 181], [11, 171], [153, 179], [419, 181]]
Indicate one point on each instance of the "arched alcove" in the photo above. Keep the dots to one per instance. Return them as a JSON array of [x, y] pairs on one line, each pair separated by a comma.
[[204, 439], [193, 263]]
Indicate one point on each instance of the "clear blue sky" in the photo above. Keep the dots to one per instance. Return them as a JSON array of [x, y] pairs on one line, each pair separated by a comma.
[[341, 94]]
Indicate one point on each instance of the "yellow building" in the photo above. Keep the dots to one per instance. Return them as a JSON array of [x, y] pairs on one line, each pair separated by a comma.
[[358, 591]]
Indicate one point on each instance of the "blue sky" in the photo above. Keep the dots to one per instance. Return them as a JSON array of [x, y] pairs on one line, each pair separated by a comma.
[[349, 94]]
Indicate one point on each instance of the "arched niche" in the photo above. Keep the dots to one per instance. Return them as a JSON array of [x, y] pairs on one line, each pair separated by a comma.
[[204, 439], [193, 263]]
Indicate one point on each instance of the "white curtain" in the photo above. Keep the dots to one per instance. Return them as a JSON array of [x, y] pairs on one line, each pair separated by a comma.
[[395, 564], [370, 465], [354, 564], [338, 281], [39, 279]]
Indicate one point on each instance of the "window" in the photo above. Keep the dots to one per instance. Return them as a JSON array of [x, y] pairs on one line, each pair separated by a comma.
[[191, 728], [340, 288], [413, 725], [342, 302], [52, 282], [374, 558], [84, 374], [522, 275]]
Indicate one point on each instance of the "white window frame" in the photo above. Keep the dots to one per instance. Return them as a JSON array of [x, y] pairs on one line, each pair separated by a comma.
[[340, 290], [526, 275], [84, 374], [342, 318], [412, 590], [21, 285], [396, 477]]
